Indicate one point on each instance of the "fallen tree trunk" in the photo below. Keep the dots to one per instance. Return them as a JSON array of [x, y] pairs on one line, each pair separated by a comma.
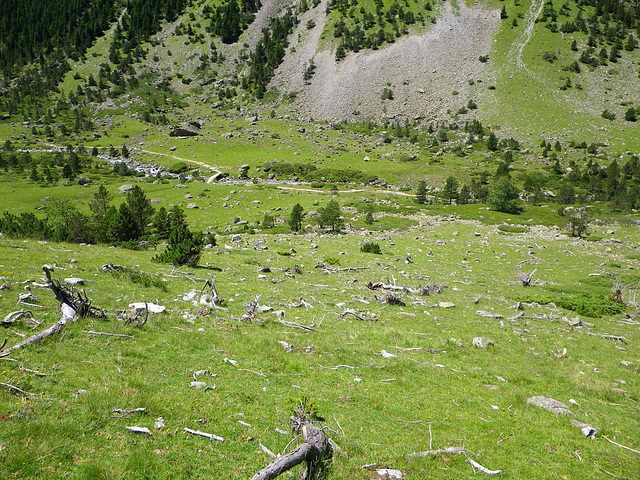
[[313, 451], [72, 304], [68, 313]]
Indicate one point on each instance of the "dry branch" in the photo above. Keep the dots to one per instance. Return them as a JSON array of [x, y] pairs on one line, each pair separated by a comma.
[[447, 450], [204, 434], [251, 309], [621, 446], [421, 290], [16, 389], [608, 337], [68, 313], [350, 311], [483, 469], [17, 315]]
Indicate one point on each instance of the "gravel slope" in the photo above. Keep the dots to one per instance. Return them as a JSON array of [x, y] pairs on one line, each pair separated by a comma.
[[423, 70]]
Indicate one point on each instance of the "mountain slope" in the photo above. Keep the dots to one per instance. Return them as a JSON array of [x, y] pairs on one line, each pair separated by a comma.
[[422, 70]]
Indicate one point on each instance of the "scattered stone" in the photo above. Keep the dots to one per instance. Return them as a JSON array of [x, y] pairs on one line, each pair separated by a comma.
[[549, 404], [198, 384], [287, 346], [151, 307], [386, 354], [260, 246], [624, 363], [388, 473], [84, 181], [5, 286], [446, 304], [125, 188], [159, 423], [482, 342], [74, 281], [192, 205], [236, 238]]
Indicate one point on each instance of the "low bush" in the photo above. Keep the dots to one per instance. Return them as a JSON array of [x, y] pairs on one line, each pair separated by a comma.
[[371, 247]]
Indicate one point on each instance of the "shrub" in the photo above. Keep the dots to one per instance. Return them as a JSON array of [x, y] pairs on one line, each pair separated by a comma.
[[185, 248], [371, 247]]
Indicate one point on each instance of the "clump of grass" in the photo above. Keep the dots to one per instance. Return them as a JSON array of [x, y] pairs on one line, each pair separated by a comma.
[[512, 229], [135, 275], [371, 247]]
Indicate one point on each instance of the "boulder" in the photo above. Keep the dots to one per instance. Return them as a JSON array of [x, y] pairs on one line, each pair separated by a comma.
[[549, 404], [482, 342], [125, 188], [184, 130]]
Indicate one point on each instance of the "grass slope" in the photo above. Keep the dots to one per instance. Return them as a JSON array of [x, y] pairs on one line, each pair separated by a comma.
[[69, 429]]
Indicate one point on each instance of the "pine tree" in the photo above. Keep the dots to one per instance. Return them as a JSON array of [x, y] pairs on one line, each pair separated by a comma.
[[421, 192], [185, 248], [140, 207], [296, 217], [101, 201], [331, 216]]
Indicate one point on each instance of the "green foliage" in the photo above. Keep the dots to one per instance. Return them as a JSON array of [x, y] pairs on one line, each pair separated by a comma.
[[371, 247], [296, 217], [504, 196], [421, 193], [331, 216], [185, 248], [577, 221], [137, 276]]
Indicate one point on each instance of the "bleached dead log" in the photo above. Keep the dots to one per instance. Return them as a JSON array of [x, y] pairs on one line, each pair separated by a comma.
[[313, 451], [16, 316], [608, 337], [212, 298], [421, 290], [439, 451], [526, 278], [128, 412], [250, 315], [143, 430], [350, 311], [68, 313], [475, 464], [204, 434]]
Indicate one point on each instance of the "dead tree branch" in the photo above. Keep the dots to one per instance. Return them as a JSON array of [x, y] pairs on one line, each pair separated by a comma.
[[16, 389], [431, 289], [250, 315]]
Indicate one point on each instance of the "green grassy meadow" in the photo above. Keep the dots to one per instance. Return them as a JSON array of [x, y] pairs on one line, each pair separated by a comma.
[[377, 408]]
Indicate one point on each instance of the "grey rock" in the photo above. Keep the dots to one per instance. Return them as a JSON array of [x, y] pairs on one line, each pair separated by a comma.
[[549, 404], [184, 130]]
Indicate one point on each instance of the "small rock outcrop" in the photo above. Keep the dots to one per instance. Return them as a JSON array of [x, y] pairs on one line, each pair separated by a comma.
[[184, 130]]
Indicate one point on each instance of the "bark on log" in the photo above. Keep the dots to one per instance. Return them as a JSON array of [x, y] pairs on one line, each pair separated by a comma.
[[286, 462], [68, 313], [313, 451]]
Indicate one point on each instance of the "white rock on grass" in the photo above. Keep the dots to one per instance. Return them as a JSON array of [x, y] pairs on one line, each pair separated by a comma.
[[389, 473], [482, 342]]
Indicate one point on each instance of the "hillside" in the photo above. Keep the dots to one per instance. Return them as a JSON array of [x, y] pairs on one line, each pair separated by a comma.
[[411, 224]]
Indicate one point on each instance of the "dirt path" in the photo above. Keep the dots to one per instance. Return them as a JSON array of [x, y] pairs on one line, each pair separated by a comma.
[[182, 159]]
